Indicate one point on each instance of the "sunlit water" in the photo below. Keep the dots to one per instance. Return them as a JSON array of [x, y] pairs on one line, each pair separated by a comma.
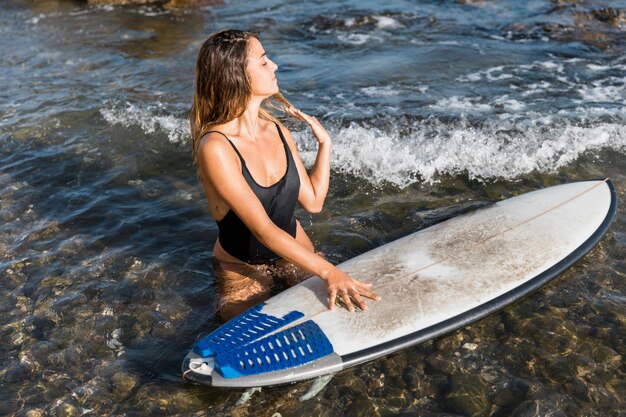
[[436, 107]]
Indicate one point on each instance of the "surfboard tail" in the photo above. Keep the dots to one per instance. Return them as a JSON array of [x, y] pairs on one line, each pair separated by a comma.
[[254, 344]]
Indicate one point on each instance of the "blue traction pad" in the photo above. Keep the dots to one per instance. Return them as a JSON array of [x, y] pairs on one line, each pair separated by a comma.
[[242, 330], [289, 348]]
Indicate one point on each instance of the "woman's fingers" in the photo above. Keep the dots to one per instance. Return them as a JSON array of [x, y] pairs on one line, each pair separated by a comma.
[[365, 291], [318, 130], [332, 295], [359, 301], [293, 111], [300, 115], [351, 294], [347, 301]]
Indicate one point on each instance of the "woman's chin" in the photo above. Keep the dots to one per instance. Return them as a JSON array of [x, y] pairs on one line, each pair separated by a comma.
[[274, 91]]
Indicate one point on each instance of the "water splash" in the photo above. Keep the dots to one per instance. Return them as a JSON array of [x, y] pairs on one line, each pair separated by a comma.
[[499, 149], [151, 119]]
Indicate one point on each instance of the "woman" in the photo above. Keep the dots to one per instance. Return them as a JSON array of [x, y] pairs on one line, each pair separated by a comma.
[[252, 176]]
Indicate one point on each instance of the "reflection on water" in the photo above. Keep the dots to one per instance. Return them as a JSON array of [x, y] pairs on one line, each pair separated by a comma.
[[105, 237]]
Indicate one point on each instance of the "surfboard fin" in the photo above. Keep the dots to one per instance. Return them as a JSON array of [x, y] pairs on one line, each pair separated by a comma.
[[318, 384], [245, 397]]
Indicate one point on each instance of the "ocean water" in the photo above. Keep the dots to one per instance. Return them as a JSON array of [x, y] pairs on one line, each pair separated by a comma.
[[435, 107]]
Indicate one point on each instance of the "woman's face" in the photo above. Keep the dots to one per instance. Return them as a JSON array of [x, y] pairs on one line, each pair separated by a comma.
[[261, 70]]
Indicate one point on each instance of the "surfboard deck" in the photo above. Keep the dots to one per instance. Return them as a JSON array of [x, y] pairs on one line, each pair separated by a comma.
[[431, 282]]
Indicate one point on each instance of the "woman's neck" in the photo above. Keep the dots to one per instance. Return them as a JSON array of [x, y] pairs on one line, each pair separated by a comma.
[[248, 122]]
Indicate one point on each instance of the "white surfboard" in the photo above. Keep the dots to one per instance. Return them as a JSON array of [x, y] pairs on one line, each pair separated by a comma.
[[431, 282]]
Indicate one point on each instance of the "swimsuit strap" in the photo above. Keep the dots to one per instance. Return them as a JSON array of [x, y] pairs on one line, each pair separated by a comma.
[[231, 144], [288, 154], [280, 133]]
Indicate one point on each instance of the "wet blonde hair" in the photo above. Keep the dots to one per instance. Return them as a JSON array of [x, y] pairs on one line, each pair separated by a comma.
[[223, 86]]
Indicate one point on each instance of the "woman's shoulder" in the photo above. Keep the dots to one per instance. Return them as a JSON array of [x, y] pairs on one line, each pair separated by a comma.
[[215, 135], [214, 144]]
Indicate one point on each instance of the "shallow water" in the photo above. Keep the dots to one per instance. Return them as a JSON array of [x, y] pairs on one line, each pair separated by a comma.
[[105, 239]]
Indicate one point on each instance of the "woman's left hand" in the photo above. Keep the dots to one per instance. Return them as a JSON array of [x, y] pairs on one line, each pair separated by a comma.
[[319, 131], [348, 290]]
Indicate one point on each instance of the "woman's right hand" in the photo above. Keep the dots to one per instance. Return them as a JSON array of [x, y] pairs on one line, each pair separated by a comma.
[[320, 133], [348, 289]]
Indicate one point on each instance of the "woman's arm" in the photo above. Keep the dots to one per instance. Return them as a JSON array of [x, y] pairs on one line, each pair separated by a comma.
[[220, 166], [313, 186]]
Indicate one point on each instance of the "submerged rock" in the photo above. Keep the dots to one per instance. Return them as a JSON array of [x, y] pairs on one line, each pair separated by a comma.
[[65, 409], [397, 398], [155, 400], [35, 412], [123, 384], [537, 409], [8, 408], [361, 406], [448, 343], [442, 363], [600, 27], [394, 366], [468, 395], [470, 346], [16, 373], [33, 393], [511, 394], [419, 384], [610, 16], [355, 387]]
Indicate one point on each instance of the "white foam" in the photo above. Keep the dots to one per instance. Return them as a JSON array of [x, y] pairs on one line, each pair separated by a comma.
[[508, 103], [366, 153], [490, 74], [536, 88], [473, 77], [503, 76], [35, 19], [384, 22], [151, 11], [376, 91], [104, 7], [501, 149], [358, 38], [551, 65], [618, 111], [596, 85], [151, 119], [594, 67], [452, 43], [461, 103], [505, 72], [611, 89]]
